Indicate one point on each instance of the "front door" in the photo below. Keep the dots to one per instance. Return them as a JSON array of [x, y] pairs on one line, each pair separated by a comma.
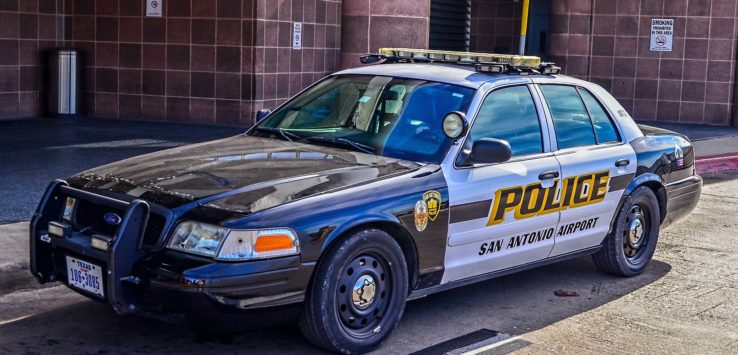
[[499, 216]]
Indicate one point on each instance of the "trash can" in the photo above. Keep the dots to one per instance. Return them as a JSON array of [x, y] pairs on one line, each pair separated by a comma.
[[64, 83]]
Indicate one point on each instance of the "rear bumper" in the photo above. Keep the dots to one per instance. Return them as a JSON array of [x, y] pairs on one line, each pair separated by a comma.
[[137, 281], [682, 197]]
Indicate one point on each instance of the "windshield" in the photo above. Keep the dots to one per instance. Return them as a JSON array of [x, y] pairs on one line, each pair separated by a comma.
[[394, 117]]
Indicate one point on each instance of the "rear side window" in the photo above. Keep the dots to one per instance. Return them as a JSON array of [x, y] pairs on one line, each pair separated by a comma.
[[510, 114], [570, 116], [604, 129]]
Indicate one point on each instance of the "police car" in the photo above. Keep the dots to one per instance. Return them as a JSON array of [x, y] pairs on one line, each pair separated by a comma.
[[377, 185]]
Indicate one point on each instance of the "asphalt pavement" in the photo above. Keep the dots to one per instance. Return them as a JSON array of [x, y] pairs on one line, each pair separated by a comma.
[[686, 302], [696, 132], [34, 152]]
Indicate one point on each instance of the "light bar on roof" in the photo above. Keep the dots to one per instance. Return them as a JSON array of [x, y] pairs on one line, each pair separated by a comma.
[[515, 61]]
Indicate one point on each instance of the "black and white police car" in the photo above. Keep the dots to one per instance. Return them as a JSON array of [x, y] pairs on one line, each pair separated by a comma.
[[377, 185]]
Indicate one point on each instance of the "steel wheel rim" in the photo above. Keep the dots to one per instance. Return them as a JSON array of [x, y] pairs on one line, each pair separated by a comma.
[[363, 294], [636, 234]]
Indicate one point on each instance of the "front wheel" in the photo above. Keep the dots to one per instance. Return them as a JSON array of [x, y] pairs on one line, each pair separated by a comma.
[[357, 295], [629, 248]]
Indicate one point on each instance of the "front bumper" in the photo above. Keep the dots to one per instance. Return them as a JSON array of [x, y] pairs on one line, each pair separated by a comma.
[[157, 282]]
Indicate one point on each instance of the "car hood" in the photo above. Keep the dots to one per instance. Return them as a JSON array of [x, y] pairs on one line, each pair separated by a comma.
[[241, 174]]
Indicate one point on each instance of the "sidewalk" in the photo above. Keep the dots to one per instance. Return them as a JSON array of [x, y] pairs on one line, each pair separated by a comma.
[[716, 148], [14, 274]]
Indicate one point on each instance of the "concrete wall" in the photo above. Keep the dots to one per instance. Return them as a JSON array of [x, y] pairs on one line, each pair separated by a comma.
[[372, 24], [280, 71], [204, 61], [28, 31], [219, 61], [608, 42], [495, 26]]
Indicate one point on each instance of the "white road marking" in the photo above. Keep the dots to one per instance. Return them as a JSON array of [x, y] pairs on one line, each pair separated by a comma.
[[491, 346], [13, 320]]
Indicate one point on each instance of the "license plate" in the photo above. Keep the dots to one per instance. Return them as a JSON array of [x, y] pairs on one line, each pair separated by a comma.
[[85, 276]]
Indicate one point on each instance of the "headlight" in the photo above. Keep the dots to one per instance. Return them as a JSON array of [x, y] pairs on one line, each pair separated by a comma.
[[259, 244], [233, 245], [198, 238]]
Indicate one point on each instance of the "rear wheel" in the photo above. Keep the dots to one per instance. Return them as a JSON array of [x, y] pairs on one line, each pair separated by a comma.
[[630, 247], [357, 295]]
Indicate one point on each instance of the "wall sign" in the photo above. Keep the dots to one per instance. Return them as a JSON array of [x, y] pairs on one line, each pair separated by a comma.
[[154, 8], [297, 35], [662, 35]]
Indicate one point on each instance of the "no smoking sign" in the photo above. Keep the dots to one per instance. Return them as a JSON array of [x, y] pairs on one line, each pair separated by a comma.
[[154, 8], [662, 35]]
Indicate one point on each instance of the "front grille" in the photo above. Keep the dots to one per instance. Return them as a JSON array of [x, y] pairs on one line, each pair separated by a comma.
[[91, 216], [154, 229]]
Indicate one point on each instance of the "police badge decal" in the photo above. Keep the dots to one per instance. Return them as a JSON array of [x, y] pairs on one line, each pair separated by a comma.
[[432, 199], [427, 208], [421, 215]]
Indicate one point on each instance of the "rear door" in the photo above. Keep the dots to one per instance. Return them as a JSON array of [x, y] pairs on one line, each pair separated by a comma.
[[596, 166], [498, 216]]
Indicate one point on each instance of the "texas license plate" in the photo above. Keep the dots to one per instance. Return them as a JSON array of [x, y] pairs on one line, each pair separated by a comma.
[[85, 276]]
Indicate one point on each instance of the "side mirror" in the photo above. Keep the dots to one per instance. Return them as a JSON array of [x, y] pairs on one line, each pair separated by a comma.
[[489, 151], [455, 124], [262, 113]]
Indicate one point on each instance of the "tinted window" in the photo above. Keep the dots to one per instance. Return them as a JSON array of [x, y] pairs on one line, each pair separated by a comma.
[[570, 116], [604, 129], [510, 114]]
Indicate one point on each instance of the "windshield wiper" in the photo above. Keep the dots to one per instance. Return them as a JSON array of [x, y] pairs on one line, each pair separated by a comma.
[[344, 142], [284, 134]]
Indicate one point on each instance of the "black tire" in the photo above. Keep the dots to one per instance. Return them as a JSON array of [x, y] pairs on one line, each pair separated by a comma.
[[625, 253], [373, 257]]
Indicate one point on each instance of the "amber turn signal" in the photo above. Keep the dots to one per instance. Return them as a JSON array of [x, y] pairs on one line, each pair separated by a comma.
[[273, 242]]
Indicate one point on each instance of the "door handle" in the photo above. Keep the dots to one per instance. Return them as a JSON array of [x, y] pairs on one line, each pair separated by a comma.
[[548, 175], [622, 162]]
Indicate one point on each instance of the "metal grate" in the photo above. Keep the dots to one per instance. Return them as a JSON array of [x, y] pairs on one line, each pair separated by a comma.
[[450, 25], [154, 228]]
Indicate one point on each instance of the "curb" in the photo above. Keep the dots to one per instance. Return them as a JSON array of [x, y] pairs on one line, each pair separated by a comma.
[[717, 164], [14, 263], [15, 277]]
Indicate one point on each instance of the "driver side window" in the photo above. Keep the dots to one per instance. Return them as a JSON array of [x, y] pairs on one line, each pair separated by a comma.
[[328, 110], [510, 114]]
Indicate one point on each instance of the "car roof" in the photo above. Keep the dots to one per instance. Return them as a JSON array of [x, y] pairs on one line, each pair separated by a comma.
[[463, 75]]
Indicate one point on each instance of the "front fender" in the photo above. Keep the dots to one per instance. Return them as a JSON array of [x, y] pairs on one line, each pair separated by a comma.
[[357, 222]]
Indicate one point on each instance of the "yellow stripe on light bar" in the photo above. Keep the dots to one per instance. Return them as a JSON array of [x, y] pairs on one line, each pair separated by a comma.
[[517, 61]]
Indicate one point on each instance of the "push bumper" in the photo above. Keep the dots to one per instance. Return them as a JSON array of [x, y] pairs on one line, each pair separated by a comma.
[[136, 281]]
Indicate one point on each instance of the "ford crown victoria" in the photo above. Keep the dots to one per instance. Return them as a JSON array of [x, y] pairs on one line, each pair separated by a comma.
[[376, 185]]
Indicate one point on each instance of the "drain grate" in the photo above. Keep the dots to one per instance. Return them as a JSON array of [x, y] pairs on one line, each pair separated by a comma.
[[459, 342]]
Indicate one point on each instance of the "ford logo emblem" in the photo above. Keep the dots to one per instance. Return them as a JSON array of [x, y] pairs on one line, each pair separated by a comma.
[[112, 219]]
